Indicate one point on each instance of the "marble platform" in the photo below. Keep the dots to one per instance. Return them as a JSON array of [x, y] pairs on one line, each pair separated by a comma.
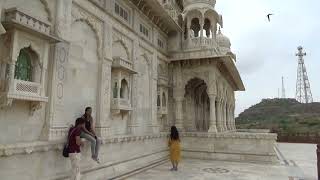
[[297, 163]]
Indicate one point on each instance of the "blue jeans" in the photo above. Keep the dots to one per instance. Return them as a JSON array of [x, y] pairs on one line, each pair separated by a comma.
[[95, 143]]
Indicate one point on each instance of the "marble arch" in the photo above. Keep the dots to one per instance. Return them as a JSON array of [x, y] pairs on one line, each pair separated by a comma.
[[47, 9], [197, 105], [95, 32], [123, 45], [197, 76]]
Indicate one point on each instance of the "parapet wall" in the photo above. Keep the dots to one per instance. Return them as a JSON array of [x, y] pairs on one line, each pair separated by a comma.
[[122, 155], [231, 146], [118, 156]]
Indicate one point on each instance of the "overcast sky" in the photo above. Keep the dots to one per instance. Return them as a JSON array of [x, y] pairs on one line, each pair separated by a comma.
[[266, 50]]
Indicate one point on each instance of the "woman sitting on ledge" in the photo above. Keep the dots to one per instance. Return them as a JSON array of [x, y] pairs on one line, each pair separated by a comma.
[[89, 134]]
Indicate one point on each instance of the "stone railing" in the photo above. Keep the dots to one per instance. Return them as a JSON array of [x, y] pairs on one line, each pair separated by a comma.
[[118, 62], [26, 87], [196, 54], [254, 130], [44, 146], [238, 135], [121, 104], [189, 2], [200, 43], [16, 15], [25, 90]]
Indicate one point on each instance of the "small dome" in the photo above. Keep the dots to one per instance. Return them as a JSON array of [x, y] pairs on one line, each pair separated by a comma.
[[222, 40]]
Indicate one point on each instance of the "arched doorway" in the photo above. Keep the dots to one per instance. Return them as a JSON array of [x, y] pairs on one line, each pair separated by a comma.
[[197, 105]]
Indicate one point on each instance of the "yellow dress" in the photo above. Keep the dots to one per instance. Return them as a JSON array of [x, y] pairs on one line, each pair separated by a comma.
[[174, 146]]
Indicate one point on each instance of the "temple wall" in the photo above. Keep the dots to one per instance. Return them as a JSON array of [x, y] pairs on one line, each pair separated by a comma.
[[17, 125], [117, 63], [79, 71], [247, 147], [120, 156]]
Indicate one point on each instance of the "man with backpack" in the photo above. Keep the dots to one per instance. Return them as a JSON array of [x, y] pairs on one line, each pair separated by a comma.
[[74, 143]]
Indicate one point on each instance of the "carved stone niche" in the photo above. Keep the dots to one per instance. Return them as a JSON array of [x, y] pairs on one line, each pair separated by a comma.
[[163, 86], [24, 52], [121, 78]]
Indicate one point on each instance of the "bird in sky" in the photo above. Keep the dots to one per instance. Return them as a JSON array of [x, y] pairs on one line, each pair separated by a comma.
[[269, 16]]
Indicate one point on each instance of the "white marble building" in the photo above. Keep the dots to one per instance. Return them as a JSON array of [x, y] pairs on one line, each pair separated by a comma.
[[143, 65]]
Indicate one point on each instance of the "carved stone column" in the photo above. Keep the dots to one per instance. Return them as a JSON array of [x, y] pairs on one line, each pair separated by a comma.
[[178, 94], [56, 128], [63, 18], [233, 124], [2, 30], [12, 67], [218, 115], [103, 108], [179, 113], [201, 26], [229, 117], [214, 31], [154, 75], [224, 116], [188, 28], [213, 124], [201, 29]]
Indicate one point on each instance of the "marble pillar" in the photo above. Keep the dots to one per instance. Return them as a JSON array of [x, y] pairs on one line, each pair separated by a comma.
[[219, 117], [224, 116], [2, 30], [212, 123], [179, 113], [229, 119], [233, 118]]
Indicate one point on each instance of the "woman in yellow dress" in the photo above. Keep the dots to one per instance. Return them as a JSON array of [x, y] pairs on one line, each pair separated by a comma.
[[174, 145]]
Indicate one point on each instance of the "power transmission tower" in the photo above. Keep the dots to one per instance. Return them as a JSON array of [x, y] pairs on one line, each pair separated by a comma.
[[303, 91], [283, 91]]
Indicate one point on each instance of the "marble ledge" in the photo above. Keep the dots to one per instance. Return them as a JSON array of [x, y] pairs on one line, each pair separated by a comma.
[[44, 146], [238, 135]]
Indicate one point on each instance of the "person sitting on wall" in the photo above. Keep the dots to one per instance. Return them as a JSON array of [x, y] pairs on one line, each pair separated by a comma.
[[74, 148], [89, 134]]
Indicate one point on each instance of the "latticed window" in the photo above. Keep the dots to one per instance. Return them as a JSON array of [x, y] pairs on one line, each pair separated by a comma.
[[23, 66]]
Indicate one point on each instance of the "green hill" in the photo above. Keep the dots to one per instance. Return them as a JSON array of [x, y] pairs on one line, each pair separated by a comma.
[[281, 115]]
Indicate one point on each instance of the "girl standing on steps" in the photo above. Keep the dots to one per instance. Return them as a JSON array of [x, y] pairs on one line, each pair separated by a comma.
[[174, 145]]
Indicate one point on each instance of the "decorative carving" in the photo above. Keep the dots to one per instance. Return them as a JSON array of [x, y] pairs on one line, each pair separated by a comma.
[[47, 9], [34, 106], [79, 14]]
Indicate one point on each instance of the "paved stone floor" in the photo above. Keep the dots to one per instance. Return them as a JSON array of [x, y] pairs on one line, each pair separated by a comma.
[[302, 155], [298, 164]]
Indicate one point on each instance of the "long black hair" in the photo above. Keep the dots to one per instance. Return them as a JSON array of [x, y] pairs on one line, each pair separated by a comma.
[[174, 133], [79, 121]]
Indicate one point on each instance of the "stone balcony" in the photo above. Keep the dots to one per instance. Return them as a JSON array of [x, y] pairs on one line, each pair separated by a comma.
[[120, 104], [24, 90], [162, 110], [20, 19], [123, 64]]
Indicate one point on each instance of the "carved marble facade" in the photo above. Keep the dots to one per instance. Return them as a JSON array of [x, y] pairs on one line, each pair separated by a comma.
[[143, 65]]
